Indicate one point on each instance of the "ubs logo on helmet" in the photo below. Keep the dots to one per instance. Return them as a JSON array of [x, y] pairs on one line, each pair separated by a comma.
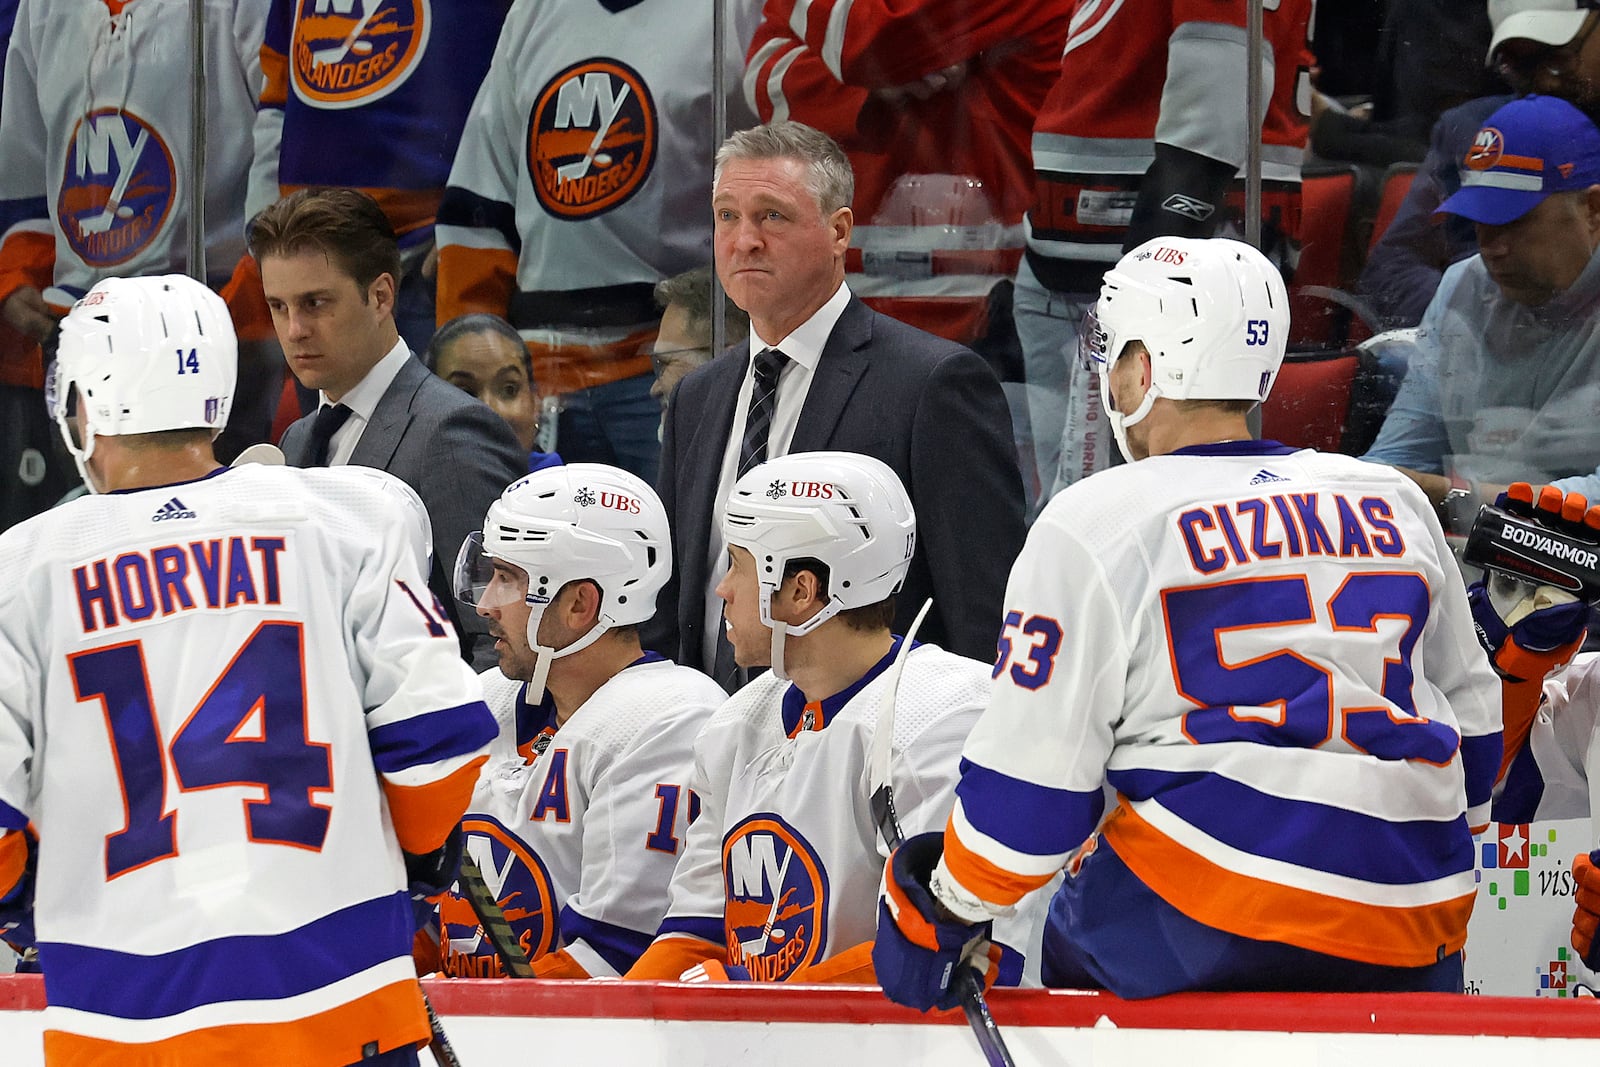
[[118, 187], [346, 53], [592, 137], [777, 898], [1486, 149], [520, 884]]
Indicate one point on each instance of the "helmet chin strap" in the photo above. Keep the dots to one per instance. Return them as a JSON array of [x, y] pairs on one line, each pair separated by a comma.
[[544, 655], [80, 456], [781, 630], [1119, 421]]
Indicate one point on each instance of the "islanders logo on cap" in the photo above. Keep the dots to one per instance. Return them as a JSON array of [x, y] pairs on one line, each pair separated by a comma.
[[346, 53], [117, 189], [1485, 150], [592, 136], [776, 890], [520, 883]]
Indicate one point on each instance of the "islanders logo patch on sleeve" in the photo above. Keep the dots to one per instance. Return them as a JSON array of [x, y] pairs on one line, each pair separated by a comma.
[[776, 915], [592, 136], [117, 188], [351, 52]]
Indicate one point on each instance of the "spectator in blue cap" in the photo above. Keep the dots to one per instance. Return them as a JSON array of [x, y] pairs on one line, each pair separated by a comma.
[[1504, 379]]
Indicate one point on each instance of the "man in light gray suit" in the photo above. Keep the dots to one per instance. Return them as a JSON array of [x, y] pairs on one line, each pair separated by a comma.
[[329, 263]]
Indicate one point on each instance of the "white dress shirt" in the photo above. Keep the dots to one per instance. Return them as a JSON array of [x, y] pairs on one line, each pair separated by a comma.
[[803, 346], [363, 401]]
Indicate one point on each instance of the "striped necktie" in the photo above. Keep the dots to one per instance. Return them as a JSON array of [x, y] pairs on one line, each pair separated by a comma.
[[769, 364]]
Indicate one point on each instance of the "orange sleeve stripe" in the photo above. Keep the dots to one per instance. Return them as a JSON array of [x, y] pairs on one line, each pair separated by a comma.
[[247, 303], [1519, 706], [27, 257], [668, 957], [918, 930], [559, 964], [475, 279], [393, 1016], [275, 73], [13, 860], [21, 360], [1252, 907], [990, 882], [424, 815], [853, 966]]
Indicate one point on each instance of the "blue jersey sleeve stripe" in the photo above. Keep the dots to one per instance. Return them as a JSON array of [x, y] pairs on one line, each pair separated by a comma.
[[1524, 789], [127, 985], [1315, 836], [25, 209], [438, 735], [11, 818], [1058, 819], [617, 945], [695, 926], [1480, 760]]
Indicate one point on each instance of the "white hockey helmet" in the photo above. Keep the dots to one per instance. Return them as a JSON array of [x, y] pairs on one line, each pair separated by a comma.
[[1212, 312], [582, 521], [142, 355], [845, 510]]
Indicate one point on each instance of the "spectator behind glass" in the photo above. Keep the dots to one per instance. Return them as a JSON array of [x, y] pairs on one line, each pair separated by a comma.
[[482, 355], [684, 340], [95, 164], [1504, 378], [1143, 135], [1428, 53], [580, 182], [328, 265], [396, 124], [1543, 46]]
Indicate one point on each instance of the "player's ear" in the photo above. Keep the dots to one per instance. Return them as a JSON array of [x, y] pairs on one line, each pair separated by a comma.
[[382, 292], [584, 610]]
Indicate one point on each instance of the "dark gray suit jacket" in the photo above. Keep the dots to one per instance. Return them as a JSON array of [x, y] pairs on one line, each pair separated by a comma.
[[455, 452], [929, 408]]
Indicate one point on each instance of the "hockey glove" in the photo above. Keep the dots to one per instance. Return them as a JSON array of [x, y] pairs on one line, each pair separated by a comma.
[[430, 875], [1530, 630], [1586, 918], [918, 949]]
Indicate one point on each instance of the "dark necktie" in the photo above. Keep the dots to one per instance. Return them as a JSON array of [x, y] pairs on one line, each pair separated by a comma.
[[769, 364], [329, 419]]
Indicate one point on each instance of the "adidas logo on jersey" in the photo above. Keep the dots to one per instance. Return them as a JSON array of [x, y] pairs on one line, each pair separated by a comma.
[[1264, 476], [172, 509]]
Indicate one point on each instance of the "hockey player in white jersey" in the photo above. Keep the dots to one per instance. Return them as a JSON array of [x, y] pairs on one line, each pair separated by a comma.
[[577, 821], [230, 709], [778, 880], [1266, 653]]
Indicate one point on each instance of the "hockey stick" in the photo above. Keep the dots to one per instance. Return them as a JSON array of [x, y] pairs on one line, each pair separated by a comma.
[[493, 920], [966, 980], [337, 53], [443, 1054]]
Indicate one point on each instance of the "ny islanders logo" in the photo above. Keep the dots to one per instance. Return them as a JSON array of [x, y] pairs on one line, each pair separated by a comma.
[[591, 138], [118, 187], [1486, 149], [520, 884], [777, 898], [346, 53]]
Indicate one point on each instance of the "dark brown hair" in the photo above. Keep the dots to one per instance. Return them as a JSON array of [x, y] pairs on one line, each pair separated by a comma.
[[346, 225]]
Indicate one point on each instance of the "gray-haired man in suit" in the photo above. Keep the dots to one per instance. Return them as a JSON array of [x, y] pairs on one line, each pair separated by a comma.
[[820, 370], [329, 263]]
